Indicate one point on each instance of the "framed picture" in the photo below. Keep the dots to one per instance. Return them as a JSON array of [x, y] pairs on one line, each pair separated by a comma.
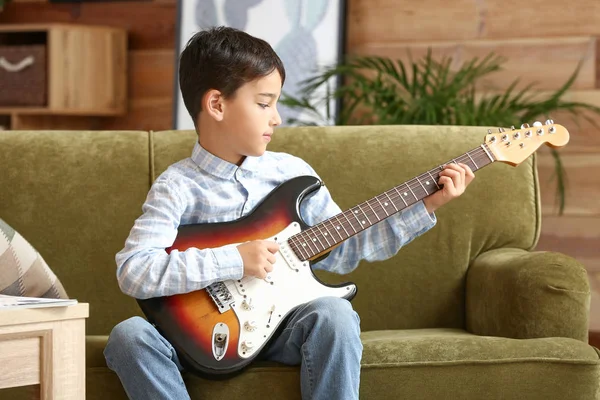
[[306, 34]]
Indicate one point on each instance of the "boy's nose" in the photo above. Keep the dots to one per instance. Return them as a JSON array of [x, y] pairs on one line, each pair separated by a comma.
[[276, 119]]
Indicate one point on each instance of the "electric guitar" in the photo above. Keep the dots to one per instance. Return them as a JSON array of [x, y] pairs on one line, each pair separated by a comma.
[[221, 329]]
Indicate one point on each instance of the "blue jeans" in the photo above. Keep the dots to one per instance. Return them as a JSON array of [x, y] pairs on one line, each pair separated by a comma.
[[323, 337]]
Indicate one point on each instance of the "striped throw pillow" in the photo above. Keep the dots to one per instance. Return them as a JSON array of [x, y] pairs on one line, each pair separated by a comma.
[[23, 271]]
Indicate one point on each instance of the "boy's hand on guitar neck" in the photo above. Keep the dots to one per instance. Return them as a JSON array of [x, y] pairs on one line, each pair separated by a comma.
[[455, 178], [258, 257]]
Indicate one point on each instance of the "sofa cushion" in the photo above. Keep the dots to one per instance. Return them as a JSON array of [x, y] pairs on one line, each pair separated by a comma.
[[23, 271]]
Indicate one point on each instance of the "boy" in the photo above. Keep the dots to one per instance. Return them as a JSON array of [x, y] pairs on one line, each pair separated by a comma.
[[230, 82]]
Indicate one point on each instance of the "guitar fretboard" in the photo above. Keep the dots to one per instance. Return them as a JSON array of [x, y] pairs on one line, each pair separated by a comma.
[[323, 236]]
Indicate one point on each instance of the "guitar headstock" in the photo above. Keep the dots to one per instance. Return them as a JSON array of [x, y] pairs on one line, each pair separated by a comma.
[[515, 145]]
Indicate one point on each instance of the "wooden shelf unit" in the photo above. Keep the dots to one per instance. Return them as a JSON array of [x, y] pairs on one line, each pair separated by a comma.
[[86, 74]]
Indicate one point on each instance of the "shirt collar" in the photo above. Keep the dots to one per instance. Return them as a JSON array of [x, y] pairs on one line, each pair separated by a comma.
[[219, 167]]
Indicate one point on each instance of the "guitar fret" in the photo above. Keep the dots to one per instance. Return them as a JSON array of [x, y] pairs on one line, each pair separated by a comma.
[[374, 212], [296, 247], [366, 216], [348, 219], [388, 196], [433, 179], [400, 194], [310, 244], [342, 225], [426, 192], [413, 193], [318, 240], [335, 228], [473, 161], [303, 244], [324, 235], [301, 250], [381, 204], [486, 152], [360, 223]]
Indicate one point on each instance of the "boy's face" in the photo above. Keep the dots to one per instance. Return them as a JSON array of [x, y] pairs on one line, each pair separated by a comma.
[[249, 117]]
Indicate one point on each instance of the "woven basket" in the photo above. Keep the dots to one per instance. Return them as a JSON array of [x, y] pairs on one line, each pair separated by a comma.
[[22, 76]]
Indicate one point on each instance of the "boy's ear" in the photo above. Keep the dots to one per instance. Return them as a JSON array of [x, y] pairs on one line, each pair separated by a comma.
[[213, 104]]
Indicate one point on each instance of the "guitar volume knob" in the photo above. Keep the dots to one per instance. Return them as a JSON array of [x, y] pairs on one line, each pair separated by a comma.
[[250, 326], [247, 305]]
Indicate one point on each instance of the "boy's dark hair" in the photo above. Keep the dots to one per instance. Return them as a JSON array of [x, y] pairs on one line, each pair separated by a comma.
[[224, 59]]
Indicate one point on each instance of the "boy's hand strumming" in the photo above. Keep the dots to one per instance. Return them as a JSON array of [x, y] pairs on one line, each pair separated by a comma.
[[258, 257], [455, 178]]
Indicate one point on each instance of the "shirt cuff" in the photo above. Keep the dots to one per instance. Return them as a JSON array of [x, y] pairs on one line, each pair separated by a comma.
[[229, 262], [417, 219]]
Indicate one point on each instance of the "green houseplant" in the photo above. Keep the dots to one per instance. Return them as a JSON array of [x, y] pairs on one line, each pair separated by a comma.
[[3, 4], [379, 90]]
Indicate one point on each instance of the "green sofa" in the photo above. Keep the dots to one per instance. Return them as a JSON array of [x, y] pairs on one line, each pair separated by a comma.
[[469, 310]]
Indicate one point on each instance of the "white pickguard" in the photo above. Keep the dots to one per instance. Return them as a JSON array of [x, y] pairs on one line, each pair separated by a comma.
[[290, 284]]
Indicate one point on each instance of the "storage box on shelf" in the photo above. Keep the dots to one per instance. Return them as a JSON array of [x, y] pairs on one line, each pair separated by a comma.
[[61, 75]]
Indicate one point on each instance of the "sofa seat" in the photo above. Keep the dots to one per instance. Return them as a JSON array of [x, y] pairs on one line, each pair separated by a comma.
[[419, 363]]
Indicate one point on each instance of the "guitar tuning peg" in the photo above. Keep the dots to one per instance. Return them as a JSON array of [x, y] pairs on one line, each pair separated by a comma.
[[549, 122], [500, 130], [537, 123], [512, 127], [525, 126], [489, 131]]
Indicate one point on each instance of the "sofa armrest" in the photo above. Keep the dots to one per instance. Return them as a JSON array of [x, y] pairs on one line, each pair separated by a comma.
[[520, 294]]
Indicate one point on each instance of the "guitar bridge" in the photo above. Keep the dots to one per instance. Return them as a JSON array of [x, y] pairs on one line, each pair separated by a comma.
[[220, 295]]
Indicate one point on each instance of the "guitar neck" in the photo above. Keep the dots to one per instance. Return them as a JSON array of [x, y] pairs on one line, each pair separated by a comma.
[[324, 236]]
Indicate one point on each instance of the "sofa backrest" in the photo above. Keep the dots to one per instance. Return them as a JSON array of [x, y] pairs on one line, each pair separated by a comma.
[[75, 196]]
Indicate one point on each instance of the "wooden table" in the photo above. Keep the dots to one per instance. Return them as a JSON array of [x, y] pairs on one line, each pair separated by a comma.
[[44, 346]]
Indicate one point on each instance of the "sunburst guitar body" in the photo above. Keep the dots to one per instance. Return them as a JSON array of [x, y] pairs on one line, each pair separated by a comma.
[[219, 330]]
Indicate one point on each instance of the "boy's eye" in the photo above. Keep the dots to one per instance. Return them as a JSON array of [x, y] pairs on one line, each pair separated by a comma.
[[263, 105]]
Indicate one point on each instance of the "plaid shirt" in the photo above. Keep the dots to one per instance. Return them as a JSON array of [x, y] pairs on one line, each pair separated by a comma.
[[204, 188]]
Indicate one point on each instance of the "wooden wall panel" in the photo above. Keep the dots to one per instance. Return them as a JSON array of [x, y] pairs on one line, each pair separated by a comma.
[[151, 73], [150, 85], [540, 18], [526, 59], [55, 122], [144, 114], [583, 182], [577, 236], [387, 21], [151, 25]]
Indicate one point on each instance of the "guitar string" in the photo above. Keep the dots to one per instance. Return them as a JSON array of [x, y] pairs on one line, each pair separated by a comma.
[[373, 203], [413, 184]]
